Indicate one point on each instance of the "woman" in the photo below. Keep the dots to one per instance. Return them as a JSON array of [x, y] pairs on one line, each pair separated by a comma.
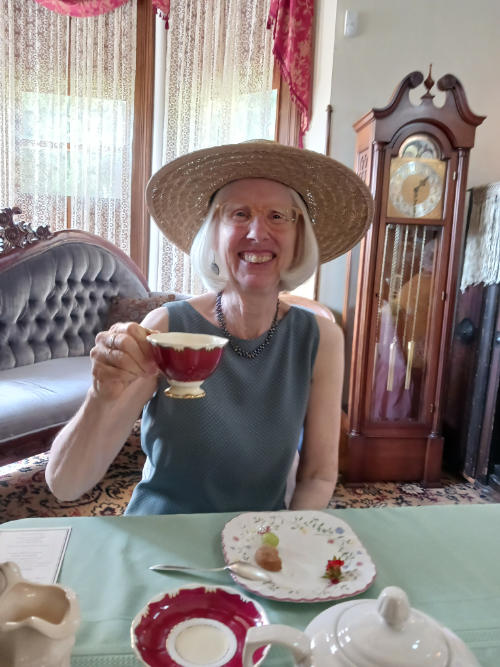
[[256, 217]]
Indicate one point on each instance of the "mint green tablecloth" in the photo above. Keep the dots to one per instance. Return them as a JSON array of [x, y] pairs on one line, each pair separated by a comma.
[[447, 559]]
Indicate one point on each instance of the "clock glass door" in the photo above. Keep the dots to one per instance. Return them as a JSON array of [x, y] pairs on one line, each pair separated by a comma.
[[404, 293]]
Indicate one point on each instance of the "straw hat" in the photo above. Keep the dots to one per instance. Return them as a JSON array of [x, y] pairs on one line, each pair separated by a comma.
[[339, 203]]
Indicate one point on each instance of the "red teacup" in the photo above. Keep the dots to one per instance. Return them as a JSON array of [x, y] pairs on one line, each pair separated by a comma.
[[187, 360]]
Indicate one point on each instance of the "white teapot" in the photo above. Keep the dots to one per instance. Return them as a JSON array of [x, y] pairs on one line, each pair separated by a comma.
[[384, 632], [38, 622]]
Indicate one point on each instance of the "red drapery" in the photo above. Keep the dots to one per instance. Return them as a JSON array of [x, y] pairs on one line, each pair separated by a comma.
[[292, 24], [85, 8], [290, 20]]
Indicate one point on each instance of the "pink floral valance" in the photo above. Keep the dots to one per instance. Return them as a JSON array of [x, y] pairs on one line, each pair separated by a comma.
[[292, 24], [86, 8]]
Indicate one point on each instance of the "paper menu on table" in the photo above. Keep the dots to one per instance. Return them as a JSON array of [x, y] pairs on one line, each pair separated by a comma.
[[38, 552]]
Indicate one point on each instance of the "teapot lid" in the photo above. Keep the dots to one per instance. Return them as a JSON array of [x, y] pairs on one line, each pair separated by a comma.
[[387, 633]]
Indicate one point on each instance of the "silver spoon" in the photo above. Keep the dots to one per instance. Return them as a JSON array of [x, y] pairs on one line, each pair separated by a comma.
[[239, 567]]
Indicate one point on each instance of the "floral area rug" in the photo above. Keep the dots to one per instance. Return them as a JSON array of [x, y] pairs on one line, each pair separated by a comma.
[[453, 491], [23, 492]]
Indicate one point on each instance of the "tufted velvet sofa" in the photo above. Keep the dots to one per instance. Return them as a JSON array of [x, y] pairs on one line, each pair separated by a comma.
[[55, 296]]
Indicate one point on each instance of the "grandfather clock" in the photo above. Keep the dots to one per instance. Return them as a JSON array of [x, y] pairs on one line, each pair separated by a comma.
[[414, 157]]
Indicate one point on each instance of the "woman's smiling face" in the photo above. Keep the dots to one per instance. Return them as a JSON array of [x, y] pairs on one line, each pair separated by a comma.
[[257, 231]]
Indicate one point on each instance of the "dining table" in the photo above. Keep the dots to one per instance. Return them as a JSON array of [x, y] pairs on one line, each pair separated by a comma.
[[445, 557]]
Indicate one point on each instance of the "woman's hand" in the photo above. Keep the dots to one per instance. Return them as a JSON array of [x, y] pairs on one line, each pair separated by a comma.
[[121, 356]]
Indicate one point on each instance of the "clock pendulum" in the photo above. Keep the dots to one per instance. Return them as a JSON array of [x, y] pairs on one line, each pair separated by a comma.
[[378, 338], [392, 292], [411, 342], [398, 279], [392, 298]]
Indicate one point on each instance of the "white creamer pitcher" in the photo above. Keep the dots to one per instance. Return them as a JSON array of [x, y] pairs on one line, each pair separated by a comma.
[[38, 622]]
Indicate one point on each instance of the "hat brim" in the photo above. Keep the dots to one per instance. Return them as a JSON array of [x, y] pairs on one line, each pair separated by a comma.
[[339, 203]]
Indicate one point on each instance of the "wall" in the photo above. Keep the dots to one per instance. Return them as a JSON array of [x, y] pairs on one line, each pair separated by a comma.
[[324, 31], [315, 138], [397, 37]]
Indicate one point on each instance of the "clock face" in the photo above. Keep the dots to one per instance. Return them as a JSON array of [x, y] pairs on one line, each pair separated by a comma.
[[416, 188]]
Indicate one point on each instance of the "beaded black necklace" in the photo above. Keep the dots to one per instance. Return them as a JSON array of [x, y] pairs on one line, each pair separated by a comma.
[[243, 353]]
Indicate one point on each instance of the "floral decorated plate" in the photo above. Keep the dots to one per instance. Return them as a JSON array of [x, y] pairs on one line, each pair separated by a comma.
[[307, 541], [196, 626]]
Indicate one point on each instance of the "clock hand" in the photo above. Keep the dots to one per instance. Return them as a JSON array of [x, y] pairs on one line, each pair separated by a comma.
[[420, 185], [415, 193], [415, 197]]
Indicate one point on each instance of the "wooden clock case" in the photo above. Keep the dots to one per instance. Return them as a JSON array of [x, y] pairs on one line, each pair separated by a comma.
[[382, 443]]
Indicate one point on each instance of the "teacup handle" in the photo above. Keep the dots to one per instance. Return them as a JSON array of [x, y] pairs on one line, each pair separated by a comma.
[[296, 641]]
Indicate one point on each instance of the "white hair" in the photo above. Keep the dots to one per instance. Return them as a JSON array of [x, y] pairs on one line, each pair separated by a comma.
[[204, 258]]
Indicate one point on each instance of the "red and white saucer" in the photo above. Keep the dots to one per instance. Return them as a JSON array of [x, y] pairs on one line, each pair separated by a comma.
[[196, 626]]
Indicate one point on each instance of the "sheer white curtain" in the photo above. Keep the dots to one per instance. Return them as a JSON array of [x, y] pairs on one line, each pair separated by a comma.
[[213, 86], [66, 109], [33, 102]]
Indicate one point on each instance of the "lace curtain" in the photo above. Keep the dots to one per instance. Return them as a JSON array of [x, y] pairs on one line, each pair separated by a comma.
[[482, 249], [217, 74], [66, 106]]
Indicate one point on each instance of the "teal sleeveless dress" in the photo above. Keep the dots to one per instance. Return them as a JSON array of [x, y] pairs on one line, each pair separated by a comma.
[[231, 450]]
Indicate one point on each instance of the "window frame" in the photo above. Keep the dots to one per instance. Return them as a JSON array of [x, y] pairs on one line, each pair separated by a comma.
[[142, 141]]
